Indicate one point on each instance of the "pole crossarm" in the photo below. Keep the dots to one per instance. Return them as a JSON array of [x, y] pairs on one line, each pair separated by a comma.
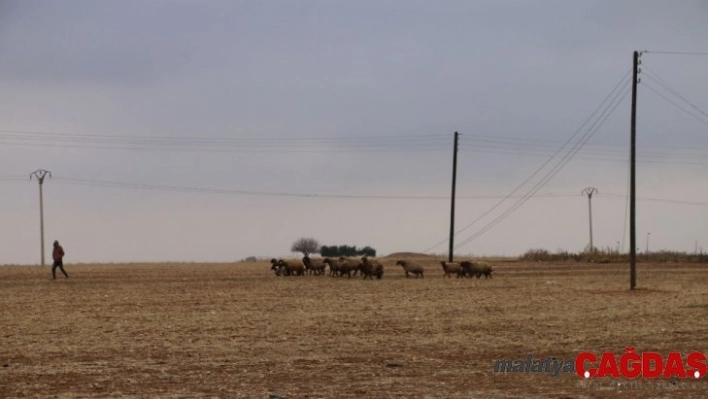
[[40, 174]]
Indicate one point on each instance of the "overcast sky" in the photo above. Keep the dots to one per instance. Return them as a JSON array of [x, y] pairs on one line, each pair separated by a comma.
[[345, 99]]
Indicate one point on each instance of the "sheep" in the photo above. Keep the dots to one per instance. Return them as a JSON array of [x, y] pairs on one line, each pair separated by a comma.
[[371, 268], [478, 268], [333, 266], [486, 269], [292, 268], [451, 267], [356, 264], [469, 269], [411, 268], [275, 267], [314, 266], [347, 267]]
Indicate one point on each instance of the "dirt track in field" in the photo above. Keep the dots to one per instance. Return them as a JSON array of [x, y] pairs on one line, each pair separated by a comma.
[[237, 331]]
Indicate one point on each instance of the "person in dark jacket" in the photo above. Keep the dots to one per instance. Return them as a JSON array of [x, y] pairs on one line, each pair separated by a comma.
[[58, 255]]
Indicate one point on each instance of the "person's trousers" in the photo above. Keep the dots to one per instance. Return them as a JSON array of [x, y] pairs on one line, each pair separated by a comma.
[[60, 265]]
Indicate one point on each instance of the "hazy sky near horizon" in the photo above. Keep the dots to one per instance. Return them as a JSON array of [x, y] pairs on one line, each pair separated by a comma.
[[266, 102]]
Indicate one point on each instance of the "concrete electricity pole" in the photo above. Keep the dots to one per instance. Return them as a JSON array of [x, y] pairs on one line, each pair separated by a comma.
[[40, 174], [589, 192]]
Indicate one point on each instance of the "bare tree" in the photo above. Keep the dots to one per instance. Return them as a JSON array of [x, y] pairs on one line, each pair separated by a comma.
[[306, 245]]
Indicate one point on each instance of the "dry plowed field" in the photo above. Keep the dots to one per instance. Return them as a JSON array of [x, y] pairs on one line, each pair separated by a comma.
[[238, 331]]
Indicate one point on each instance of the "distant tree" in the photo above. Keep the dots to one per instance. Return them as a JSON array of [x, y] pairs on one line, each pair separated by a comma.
[[306, 245], [368, 251], [346, 250]]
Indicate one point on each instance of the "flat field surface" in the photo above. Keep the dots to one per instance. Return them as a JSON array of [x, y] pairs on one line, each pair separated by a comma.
[[238, 331]]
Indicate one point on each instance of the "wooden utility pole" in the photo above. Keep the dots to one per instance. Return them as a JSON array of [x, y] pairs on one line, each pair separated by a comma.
[[40, 174], [452, 199], [632, 183]]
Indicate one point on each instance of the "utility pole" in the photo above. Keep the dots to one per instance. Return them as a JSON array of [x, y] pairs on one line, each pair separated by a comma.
[[632, 184], [648, 234], [452, 198], [40, 174], [589, 192]]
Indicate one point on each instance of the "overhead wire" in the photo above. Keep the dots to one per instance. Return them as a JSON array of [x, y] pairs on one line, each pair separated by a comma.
[[700, 53], [556, 168], [654, 199], [540, 168], [397, 143], [186, 189], [674, 103], [15, 177], [661, 82]]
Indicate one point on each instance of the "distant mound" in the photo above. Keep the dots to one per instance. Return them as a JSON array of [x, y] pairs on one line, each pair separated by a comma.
[[403, 255]]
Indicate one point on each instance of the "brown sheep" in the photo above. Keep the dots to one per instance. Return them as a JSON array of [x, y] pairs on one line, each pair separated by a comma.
[[477, 269], [411, 268], [486, 269], [275, 267], [314, 266], [356, 264], [333, 266], [347, 267], [451, 267], [371, 268], [469, 269], [292, 268]]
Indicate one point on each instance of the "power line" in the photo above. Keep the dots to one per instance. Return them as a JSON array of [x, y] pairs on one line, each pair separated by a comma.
[[9, 178], [299, 145], [538, 170], [652, 199], [647, 157], [185, 189], [504, 142], [676, 52], [226, 139], [138, 142], [616, 150], [576, 147], [676, 104], [345, 150], [188, 189], [655, 77]]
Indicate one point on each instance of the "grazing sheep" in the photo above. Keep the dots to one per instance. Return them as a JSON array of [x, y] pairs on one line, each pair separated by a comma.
[[451, 267], [356, 264], [292, 268], [486, 269], [411, 268], [347, 266], [314, 266], [333, 266], [371, 268], [469, 269], [275, 267], [477, 269]]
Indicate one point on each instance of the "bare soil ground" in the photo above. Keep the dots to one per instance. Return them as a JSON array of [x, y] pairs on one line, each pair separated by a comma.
[[237, 331]]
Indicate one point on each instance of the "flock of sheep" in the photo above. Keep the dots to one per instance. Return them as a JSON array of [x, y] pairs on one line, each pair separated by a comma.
[[368, 268]]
